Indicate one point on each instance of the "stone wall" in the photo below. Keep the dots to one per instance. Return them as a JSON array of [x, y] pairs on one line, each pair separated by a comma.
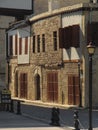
[[4, 24]]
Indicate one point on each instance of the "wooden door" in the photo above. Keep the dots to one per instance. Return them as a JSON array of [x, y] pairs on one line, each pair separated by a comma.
[[52, 87], [23, 85], [73, 90]]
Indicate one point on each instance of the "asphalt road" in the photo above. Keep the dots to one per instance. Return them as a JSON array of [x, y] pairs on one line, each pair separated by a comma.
[[40, 117], [12, 121]]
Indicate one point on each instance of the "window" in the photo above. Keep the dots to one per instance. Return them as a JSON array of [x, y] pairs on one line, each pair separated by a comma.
[[15, 44], [11, 45], [23, 85], [55, 40], [26, 45], [73, 90], [20, 46], [69, 36], [92, 33], [43, 42], [38, 43], [10, 74], [33, 44], [52, 86]]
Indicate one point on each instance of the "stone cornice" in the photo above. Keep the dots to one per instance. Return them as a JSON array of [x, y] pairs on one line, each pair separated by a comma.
[[68, 9]]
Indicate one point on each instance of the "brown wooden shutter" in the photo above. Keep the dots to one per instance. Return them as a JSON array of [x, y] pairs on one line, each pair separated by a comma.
[[15, 44], [61, 37], [75, 35], [92, 33], [26, 45], [76, 87], [66, 37], [11, 45], [70, 90], [55, 80], [95, 33], [52, 87], [73, 90], [33, 46], [23, 85], [20, 46], [89, 31]]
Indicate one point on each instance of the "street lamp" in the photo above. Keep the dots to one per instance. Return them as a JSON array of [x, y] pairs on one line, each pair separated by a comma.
[[91, 50]]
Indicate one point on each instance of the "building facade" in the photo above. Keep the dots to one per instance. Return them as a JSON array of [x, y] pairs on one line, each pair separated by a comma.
[[4, 24], [48, 59]]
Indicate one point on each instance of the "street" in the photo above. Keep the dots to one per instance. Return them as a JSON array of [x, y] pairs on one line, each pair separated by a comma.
[[39, 117], [12, 121]]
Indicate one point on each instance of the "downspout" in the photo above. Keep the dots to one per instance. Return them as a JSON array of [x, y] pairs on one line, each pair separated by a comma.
[[7, 61]]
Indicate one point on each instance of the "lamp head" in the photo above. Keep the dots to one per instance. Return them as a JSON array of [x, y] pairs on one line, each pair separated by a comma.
[[91, 48]]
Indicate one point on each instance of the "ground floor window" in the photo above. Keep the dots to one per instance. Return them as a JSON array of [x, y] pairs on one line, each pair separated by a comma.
[[73, 90], [16, 84], [23, 85], [52, 86]]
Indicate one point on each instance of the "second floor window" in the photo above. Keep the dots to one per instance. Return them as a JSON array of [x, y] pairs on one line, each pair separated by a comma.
[[43, 42], [15, 44], [33, 46], [38, 43], [55, 40], [11, 45], [26, 45], [20, 46]]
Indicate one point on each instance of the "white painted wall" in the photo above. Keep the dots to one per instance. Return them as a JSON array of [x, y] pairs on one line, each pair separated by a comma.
[[16, 4], [67, 20], [23, 32]]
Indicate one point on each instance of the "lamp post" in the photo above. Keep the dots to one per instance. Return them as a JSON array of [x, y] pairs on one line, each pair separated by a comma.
[[80, 96], [91, 50]]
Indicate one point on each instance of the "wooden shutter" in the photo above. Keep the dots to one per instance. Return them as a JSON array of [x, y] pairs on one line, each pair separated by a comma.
[[15, 44], [76, 87], [89, 31], [52, 87], [92, 33], [26, 45], [23, 85], [20, 46], [33, 46], [55, 86], [11, 45], [73, 90], [61, 37], [75, 35], [95, 33], [66, 37], [70, 90]]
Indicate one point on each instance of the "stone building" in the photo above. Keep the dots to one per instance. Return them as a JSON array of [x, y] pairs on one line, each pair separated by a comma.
[[12, 14], [48, 59]]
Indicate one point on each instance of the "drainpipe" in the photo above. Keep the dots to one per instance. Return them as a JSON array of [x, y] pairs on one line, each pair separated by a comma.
[[7, 61]]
